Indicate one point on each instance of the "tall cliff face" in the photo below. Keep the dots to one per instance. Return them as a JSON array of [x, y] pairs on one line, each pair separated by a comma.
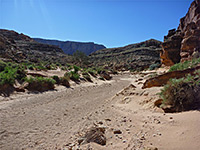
[[69, 47], [19, 47], [184, 43]]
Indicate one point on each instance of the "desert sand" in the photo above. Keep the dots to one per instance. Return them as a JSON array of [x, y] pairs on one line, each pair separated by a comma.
[[57, 119]]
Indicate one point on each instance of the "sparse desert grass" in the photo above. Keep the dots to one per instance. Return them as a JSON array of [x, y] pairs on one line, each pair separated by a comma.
[[185, 65]]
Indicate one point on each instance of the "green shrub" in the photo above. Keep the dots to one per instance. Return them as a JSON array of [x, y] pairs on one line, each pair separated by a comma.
[[31, 67], [100, 70], [8, 75], [40, 80], [76, 68], [92, 72], [181, 94], [72, 75], [154, 66], [57, 79], [11, 72], [101, 78], [40, 84], [2, 65], [185, 65], [21, 73]]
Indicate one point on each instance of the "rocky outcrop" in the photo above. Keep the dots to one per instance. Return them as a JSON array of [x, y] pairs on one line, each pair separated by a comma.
[[131, 57], [69, 47], [164, 78], [19, 47], [184, 43], [171, 48]]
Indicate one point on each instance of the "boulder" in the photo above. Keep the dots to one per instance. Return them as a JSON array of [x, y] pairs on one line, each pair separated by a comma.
[[6, 90], [40, 87], [94, 134]]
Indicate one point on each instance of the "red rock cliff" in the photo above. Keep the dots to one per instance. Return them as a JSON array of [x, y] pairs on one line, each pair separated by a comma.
[[184, 43]]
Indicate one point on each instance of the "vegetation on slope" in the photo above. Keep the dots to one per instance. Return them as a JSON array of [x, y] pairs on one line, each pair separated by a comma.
[[184, 93]]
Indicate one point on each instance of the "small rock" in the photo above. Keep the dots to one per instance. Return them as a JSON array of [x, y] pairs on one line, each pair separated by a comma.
[[124, 141], [80, 140], [100, 122], [107, 119], [117, 131], [159, 134], [170, 117]]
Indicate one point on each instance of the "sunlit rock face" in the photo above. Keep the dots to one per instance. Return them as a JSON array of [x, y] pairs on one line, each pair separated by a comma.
[[184, 43]]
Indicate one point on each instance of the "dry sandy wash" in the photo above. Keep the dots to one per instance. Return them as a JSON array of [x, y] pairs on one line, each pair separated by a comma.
[[56, 119]]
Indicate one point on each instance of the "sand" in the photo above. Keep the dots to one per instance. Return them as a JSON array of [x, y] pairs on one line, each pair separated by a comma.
[[56, 119]]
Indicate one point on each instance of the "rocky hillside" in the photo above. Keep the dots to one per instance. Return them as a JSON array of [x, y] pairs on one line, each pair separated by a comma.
[[135, 56], [69, 47], [19, 47], [184, 43]]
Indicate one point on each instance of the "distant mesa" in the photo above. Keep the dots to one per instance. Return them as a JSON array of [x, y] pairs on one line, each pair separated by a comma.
[[69, 47]]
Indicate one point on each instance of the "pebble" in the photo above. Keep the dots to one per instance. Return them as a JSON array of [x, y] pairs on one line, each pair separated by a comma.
[[117, 131], [108, 119]]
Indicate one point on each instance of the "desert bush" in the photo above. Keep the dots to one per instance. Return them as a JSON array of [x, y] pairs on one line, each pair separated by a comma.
[[2, 65], [57, 79], [76, 69], [40, 84], [92, 72], [30, 67], [185, 65], [86, 76], [72, 75], [8, 75], [181, 94], [80, 57], [100, 70], [65, 81], [101, 78], [20, 73], [11, 72], [154, 66]]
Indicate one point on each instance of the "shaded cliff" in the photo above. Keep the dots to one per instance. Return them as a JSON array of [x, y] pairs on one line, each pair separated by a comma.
[[69, 47], [135, 56], [184, 43]]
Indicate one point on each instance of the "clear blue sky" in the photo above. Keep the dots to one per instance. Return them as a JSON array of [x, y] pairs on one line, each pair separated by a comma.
[[110, 22]]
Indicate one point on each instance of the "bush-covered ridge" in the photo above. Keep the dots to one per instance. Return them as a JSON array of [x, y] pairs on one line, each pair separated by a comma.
[[11, 72]]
